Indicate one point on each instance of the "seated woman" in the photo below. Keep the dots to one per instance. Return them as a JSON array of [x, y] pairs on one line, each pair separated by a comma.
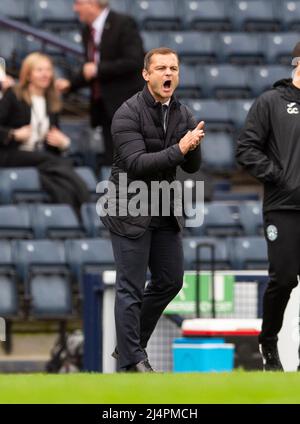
[[30, 135]]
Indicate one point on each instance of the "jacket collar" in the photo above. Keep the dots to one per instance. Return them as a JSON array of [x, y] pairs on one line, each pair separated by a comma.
[[150, 101]]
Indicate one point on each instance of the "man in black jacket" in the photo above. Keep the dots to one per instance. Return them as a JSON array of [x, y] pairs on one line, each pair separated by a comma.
[[149, 143], [269, 149], [113, 63]]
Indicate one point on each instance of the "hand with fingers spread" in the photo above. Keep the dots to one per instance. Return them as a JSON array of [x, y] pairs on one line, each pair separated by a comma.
[[192, 139]]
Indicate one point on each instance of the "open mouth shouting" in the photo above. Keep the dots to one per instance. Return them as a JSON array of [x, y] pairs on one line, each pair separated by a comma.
[[167, 86]]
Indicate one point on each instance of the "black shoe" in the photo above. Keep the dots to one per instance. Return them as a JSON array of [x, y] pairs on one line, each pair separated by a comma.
[[142, 366], [270, 357]]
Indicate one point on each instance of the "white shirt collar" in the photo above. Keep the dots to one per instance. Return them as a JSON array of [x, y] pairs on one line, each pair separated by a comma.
[[99, 23], [167, 103]]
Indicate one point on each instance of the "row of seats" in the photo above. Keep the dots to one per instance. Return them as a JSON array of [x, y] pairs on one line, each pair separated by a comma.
[[59, 221], [23, 184], [192, 46], [222, 219], [45, 274], [229, 81], [48, 221], [172, 14]]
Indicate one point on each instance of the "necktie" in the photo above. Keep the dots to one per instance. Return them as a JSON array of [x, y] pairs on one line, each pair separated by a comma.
[[165, 117], [92, 50]]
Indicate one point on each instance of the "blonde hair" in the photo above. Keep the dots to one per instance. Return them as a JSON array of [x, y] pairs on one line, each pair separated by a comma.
[[54, 104]]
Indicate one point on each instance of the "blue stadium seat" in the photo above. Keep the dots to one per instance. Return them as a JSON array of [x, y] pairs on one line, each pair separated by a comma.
[[290, 15], [78, 131], [9, 303], [157, 14], [263, 77], [279, 47], [120, 6], [251, 218], [249, 253], [189, 86], [193, 47], [15, 9], [49, 12], [41, 264], [152, 39], [89, 178], [226, 81], [255, 15], [207, 15], [8, 45], [89, 256], [20, 185], [222, 259], [91, 221], [215, 113], [55, 221], [220, 220], [241, 48], [15, 222], [239, 110], [218, 152]]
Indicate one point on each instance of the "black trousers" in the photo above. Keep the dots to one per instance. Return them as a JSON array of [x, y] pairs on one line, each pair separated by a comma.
[[284, 268], [58, 178], [101, 117], [137, 309]]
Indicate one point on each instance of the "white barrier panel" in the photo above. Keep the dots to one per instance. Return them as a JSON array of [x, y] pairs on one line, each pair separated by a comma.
[[288, 338]]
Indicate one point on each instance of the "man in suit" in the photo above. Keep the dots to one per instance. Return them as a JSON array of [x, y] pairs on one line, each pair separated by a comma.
[[113, 63], [153, 134]]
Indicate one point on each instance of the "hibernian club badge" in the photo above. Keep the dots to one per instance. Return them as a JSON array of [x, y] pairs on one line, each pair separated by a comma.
[[272, 232]]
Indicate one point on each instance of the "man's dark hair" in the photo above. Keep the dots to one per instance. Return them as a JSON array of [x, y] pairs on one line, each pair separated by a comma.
[[159, 50]]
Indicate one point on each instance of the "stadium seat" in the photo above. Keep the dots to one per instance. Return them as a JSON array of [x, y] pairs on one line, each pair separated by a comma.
[[222, 260], [89, 256], [207, 15], [55, 221], [157, 14], [9, 303], [89, 178], [78, 131], [249, 253], [15, 9], [251, 218], [120, 6], [41, 264], [239, 110], [218, 152], [226, 81], [215, 113], [15, 222], [189, 86], [50, 12], [290, 15], [8, 46], [241, 48], [91, 221], [20, 185], [279, 47], [263, 77], [152, 39], [220, 220], [255, 15], [193, 47]]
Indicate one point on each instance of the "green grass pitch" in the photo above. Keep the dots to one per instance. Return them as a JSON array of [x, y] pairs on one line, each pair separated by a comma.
[[235, 387]]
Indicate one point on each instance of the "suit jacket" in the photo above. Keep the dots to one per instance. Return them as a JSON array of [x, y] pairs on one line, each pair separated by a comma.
[[121, 61], [16, 114], [144, 152]]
